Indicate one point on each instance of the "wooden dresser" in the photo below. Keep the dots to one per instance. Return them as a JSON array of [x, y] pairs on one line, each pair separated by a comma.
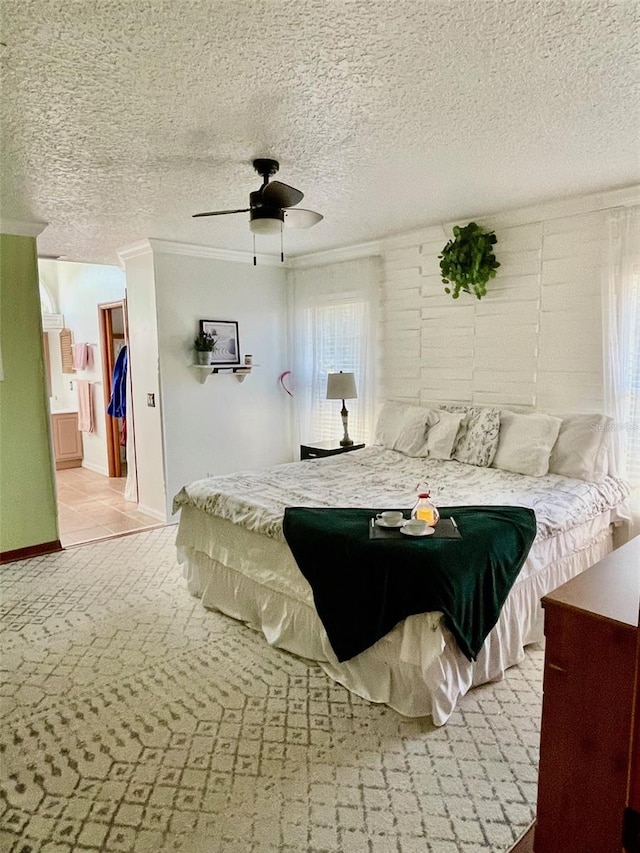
[[590, 687]]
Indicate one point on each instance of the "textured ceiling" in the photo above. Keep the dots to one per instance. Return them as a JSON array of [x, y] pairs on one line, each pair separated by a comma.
[[121, 118]]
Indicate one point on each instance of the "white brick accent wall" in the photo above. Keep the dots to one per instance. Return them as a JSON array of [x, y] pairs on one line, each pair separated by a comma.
[[534, 341]]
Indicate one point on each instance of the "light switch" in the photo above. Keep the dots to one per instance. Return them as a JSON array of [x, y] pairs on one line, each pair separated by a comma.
[[151, 400]]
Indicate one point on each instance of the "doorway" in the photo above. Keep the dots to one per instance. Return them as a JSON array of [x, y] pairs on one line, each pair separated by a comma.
[[91, 506], [113, 340], [95, 497]]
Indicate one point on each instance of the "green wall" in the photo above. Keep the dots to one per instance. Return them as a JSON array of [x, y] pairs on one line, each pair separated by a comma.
[[28, 514]]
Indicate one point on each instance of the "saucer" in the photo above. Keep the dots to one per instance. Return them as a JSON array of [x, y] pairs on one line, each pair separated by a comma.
[[426, 532], [381, 523]]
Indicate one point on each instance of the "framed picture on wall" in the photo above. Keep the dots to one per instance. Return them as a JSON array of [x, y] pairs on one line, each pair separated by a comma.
[[226, 349]]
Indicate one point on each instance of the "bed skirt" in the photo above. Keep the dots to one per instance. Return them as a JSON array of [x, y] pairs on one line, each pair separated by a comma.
[[416, 669]]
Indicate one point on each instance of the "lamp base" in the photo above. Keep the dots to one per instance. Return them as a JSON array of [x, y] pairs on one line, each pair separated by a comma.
[[344, 414]]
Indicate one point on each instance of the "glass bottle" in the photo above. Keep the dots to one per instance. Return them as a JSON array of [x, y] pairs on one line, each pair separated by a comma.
[[425, 509]]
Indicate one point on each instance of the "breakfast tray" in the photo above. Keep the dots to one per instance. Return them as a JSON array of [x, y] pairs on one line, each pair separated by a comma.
[[445, 529]]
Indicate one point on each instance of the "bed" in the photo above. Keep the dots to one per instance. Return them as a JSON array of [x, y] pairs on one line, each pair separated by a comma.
[[230, 543]]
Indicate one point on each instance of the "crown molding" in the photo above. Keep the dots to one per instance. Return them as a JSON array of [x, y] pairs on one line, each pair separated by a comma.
[[21, 229], [330, 256], [335, 256], [171, 247], [557, 209], [134, 250], [427, 234], [153, 246]]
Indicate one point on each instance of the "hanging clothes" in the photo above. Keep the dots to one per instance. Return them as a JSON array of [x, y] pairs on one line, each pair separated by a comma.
[[117, 407]]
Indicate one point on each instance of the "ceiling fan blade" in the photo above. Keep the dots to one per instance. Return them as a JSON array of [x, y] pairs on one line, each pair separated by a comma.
[[300, 218], [221, 212], [277, 194]]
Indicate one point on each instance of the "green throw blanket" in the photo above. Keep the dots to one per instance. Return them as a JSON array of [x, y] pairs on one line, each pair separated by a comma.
[[363, 587]]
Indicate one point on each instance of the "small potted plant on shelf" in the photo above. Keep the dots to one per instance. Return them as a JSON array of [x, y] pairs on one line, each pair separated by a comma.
[[204, 346]]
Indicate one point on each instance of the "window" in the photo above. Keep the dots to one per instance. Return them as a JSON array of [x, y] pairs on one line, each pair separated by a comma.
[[337, 332], [334, 327]]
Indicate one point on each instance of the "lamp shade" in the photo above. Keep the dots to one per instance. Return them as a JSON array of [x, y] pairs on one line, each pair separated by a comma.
[[341, 386]]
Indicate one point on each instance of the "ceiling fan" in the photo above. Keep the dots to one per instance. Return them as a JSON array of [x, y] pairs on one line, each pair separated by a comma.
[[270, 206]]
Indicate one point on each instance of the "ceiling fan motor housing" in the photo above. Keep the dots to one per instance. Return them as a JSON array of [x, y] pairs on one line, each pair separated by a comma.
[[266, 167]]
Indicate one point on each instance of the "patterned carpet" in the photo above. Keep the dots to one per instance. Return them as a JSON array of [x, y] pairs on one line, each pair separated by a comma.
[[135, 720]]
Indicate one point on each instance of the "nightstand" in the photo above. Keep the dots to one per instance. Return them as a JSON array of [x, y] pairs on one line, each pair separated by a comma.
[[325, 448]]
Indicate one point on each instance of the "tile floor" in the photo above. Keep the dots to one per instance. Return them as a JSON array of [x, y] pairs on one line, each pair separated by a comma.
[[91, 506]]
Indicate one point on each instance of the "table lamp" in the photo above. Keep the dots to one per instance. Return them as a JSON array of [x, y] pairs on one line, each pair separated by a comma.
[[342, 386]]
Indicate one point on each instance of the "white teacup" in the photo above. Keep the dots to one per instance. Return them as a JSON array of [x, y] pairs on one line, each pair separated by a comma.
[[392, 517], [415, 526]]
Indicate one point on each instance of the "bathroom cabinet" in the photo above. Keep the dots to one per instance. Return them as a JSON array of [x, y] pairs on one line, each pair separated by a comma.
[[67, 440]]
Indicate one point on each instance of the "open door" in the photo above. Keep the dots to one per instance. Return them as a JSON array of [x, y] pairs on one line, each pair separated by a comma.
[[113, 338]]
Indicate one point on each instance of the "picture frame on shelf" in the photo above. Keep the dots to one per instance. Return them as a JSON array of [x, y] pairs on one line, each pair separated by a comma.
[[226, 351]]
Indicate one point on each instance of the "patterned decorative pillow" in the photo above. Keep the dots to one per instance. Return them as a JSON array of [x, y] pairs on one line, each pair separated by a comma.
[[479, 442]]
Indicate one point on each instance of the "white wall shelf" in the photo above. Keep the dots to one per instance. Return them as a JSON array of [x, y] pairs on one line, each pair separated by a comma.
[[240, 372]]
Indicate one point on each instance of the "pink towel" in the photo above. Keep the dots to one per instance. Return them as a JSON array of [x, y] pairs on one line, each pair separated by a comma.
[[85, 407], [80, 355]]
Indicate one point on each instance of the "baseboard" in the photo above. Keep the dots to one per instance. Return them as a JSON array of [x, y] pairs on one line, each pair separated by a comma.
[[62, 465], [152, 512], [30, 551], [95, 468]]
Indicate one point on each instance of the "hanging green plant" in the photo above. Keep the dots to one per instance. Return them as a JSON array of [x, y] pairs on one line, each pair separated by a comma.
[[467, 261]]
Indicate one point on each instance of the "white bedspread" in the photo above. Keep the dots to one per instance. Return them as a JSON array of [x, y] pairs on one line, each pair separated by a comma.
[[235, 558], [376, 477]]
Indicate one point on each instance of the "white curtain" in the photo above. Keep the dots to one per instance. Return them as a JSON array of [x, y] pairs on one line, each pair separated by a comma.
[[621, 315], [334, 326]]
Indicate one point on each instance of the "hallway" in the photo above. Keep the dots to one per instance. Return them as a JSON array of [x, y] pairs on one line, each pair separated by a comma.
[[91, 506]]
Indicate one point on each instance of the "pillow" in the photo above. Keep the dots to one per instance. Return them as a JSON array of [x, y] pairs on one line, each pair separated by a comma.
[[403, 428], [478, 443], [526, 442], [582, 448], [442, 436]]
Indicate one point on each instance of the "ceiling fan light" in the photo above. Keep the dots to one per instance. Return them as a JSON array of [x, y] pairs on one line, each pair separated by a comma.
[[265, 221]]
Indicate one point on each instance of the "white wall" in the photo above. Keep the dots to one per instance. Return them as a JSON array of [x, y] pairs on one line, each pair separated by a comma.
[[78, 289], [222, 425], [534, 341], [143, 367]]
